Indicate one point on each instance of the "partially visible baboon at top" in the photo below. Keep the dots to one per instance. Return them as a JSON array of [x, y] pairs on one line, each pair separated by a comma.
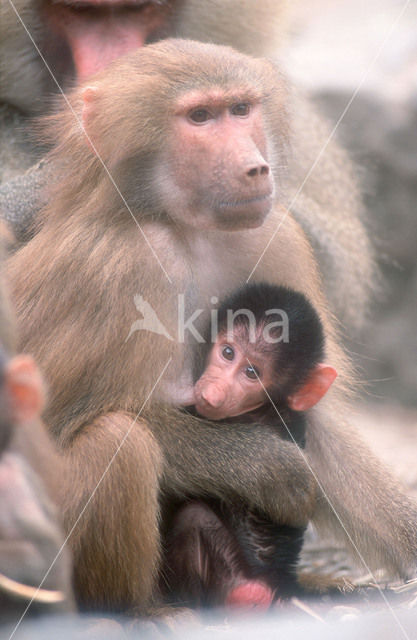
[[77, 39]]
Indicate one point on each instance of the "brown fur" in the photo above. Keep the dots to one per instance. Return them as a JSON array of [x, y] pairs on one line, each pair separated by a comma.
[[115, 542], [7, 321], [74, 286]]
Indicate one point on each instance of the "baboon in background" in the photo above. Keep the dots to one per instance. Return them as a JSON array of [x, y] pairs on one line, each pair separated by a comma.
[[207, 210], [78, 39], [327, 208], [30, 537]]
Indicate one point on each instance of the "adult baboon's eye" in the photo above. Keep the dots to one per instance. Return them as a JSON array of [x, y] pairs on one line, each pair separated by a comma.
[[228, 352], [241, 109], [199, 116]]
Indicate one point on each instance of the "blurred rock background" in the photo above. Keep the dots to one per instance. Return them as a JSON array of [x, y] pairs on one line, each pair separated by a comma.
[[364, 54], [345, 48]]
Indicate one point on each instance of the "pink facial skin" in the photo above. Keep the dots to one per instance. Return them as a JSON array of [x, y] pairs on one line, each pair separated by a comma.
[[236, 377], [230, 386]]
